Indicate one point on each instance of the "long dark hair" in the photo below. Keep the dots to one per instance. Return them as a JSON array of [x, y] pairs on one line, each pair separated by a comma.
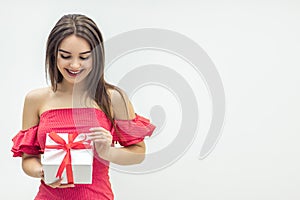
[[84, 27]]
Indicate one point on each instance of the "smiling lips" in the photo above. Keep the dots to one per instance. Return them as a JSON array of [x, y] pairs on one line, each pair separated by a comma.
[[73, 73]]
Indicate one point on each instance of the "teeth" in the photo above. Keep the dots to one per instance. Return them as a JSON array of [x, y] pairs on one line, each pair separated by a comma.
[[74, 72]]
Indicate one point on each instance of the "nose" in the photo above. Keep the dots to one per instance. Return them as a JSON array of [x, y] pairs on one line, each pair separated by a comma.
[[75, 64]]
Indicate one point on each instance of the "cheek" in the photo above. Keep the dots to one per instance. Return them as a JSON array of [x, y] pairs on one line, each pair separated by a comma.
[[88, 64], [62, 62]]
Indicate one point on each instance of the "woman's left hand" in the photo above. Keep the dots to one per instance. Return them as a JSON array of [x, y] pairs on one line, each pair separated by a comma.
[[102, 139]]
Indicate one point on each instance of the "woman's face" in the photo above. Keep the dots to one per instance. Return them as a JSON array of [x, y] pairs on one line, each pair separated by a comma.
[[74, 59]]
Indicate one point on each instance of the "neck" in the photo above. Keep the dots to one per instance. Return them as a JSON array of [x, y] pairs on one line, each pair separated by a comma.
[[70, 88], [75, 93]]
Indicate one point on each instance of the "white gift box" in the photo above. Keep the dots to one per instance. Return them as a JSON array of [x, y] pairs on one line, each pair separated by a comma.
[[81, 160]]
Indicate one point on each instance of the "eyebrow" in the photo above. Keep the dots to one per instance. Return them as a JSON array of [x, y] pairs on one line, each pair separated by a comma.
[[85, 52]]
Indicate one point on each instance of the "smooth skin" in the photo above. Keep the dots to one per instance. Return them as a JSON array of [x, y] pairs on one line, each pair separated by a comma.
[[75, 55]]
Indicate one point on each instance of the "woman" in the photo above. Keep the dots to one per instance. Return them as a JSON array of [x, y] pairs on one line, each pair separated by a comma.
[[79, 100]]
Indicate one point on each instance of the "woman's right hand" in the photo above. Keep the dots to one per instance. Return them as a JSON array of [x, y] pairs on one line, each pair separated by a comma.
[[57, 183]]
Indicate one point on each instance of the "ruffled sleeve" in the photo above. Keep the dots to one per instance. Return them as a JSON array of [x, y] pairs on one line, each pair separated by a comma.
[[26, 142], [132, 131]]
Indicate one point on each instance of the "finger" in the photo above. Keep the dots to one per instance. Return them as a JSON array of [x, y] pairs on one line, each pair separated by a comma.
[[101, 140], [99, 137], [66, 185], [58, 181], [97, 129], [93, 138], [107, 133], [55, 183]]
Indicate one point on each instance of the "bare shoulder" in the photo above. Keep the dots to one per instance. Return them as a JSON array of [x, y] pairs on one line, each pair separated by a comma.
[[32, 104], [38, 94], [117, 95], [121, 106]]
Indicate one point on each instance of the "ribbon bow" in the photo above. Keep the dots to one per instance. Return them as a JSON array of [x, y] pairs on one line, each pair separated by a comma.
[[67, 161]]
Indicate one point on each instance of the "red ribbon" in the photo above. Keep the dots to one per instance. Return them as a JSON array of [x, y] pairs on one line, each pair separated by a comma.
[[67, 161]]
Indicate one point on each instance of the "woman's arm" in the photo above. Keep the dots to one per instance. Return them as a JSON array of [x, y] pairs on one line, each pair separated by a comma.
[[31, 164], [133, 154], [129, 155]]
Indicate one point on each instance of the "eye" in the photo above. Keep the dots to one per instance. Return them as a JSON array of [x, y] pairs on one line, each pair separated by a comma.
[[84, 58], [64, 57]]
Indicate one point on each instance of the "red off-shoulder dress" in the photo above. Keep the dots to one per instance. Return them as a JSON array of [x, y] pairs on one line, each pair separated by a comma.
[[66, 120]]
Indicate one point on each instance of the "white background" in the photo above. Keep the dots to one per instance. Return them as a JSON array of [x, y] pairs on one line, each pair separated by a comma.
[[253, 45]]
